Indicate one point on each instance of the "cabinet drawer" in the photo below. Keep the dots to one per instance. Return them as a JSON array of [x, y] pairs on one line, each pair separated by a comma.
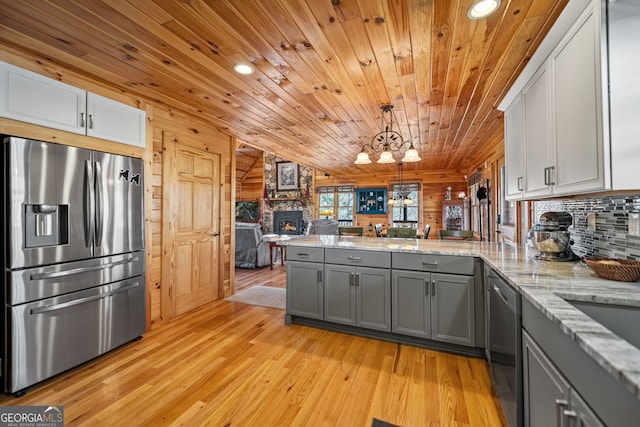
[[438, 263], [355, 257], [304, 253]]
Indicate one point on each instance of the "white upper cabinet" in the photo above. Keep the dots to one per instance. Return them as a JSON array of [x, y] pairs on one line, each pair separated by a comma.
[[108, 119], [538, 143], [577, 136], [29, 97], [514, 148], [624, 91], [577, 95]]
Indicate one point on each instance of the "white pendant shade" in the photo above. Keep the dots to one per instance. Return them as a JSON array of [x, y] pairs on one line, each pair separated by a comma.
[[362, 159], [387, 141], [386, 157], [411, 156]]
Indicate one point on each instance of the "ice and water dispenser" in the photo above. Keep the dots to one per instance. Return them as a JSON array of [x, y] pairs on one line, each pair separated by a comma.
[[46, 225]]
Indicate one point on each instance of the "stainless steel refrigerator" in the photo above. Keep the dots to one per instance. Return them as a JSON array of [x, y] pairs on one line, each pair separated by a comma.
[[74, 264]]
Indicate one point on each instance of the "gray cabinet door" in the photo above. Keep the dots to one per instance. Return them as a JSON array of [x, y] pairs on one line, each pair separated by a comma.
[[453, 309], [581, 414], [546, 392], [373, 298], [411, 303], [304, 289], [339, 294]]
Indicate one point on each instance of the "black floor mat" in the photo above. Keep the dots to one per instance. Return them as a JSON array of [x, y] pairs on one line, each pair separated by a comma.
[[379, 423]]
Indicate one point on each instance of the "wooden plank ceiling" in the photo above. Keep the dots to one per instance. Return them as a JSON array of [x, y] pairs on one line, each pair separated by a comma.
[[323, 68]]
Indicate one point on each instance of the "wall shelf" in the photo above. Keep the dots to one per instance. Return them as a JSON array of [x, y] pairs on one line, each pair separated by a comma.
[[371, 201]]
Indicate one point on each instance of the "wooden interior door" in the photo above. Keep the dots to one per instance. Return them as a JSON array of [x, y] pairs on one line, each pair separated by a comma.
[[191, 227]]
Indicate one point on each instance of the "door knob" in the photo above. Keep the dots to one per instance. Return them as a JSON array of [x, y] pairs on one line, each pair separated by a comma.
[[215, 233]]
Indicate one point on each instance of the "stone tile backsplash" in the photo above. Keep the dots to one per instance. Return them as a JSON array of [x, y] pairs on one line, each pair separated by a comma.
[[611, 237]]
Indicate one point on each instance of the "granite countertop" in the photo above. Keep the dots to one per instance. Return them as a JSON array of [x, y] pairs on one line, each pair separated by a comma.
[[542, 283]]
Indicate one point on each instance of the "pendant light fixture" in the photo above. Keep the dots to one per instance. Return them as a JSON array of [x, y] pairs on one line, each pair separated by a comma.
[[386, 142], [402, 197]]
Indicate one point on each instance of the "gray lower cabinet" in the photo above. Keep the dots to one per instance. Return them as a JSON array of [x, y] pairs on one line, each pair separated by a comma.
[[305, 273], [549, 399], [358, 296], [433, 305]]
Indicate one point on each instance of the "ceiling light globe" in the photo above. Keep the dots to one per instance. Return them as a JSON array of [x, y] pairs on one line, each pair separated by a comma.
[[386, 157], [411, 156], [362, 159], [483, 8]]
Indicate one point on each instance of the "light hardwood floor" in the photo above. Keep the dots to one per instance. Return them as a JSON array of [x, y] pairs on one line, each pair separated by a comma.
[[232, 364]]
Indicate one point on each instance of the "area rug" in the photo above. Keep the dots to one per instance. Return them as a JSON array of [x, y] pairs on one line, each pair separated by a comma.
[[266, 296]]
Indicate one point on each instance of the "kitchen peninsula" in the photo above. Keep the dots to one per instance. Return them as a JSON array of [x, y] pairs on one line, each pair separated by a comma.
[[598, 365]]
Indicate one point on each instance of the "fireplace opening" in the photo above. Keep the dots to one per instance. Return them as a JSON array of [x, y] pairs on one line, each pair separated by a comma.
[[288, 222]]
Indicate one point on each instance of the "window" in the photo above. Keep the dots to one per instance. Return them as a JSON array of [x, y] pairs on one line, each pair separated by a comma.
[[337, 199], [406, 214]]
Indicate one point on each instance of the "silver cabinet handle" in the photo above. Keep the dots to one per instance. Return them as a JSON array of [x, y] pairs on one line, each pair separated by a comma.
[[433, 287], [569, 416], [519, 183], [357, 279], [560, 403], [320, 276], [90, 121], [83, 120], [430, 263], [548, 175], [352, 279], [354, 258], [302, 254], [426, 287]]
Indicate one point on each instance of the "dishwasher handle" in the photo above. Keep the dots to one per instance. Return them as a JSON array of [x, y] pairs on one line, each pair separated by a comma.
[[502, 297]]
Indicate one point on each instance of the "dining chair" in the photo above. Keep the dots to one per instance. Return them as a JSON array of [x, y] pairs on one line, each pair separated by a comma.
[[350, 231], [456, 234], [401, 232], [427, 229]]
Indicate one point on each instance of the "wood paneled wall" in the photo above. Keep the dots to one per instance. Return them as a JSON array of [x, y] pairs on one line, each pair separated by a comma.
[[433, 184], [251, 187], [160, 118]]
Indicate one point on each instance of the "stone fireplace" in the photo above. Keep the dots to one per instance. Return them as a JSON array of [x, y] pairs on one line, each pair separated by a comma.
[[288, 222]]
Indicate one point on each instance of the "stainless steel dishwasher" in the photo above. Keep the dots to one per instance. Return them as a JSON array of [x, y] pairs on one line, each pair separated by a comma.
[[504, 345]]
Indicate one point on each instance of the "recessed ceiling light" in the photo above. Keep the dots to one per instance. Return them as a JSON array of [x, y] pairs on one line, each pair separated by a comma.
[[243, 69], [483, 8]]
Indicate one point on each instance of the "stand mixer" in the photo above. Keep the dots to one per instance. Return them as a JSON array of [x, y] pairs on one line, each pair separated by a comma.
[[552, 238]]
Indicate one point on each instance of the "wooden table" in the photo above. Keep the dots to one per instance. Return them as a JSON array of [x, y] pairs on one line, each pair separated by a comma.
[[273, 245]]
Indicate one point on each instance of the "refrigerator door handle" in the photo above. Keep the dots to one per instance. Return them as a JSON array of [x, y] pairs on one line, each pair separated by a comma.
[[48, 308], [99, 207], [89, 203], [63, 273]]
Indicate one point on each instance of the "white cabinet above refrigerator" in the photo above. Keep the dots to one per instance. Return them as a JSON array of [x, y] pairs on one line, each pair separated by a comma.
[[32, 98]]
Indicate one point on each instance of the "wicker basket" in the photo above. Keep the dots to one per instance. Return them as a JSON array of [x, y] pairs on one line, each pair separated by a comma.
[[621, 270]]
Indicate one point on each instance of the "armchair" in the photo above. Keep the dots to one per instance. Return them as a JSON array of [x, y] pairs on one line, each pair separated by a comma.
[[251, 249]]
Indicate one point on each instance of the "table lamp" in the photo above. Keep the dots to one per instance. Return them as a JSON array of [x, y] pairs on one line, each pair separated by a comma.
[[326, 213]]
